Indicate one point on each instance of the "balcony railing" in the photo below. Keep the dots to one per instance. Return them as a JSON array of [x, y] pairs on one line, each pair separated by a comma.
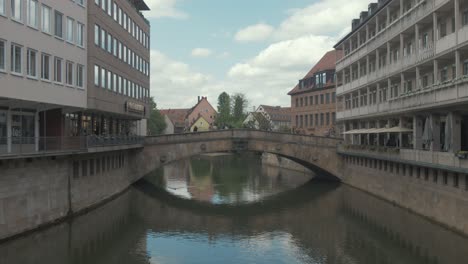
[[409, 18], [14, 146]]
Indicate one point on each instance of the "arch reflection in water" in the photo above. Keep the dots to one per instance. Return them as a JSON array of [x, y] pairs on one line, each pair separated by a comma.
[[314, 223], [227, 179]]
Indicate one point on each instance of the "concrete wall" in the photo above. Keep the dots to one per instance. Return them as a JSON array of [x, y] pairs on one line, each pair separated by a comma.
[[35, 192], [441, 201]]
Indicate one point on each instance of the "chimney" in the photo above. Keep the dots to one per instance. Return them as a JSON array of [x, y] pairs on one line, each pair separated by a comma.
[[198, 99]]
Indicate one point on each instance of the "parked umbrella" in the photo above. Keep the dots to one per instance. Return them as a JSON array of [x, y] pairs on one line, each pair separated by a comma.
[[427, 133], [448, 133]]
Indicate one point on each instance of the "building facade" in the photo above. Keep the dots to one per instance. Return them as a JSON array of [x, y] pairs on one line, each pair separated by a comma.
[[402, 86], [185, 120], [313, 100], [43, 70], [118, 55], [278, 118]]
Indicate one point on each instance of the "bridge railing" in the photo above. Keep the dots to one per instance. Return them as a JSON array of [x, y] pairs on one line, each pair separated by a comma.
[[242, 134]]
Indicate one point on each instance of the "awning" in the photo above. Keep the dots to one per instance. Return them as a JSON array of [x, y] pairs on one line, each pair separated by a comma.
[[378, 131]]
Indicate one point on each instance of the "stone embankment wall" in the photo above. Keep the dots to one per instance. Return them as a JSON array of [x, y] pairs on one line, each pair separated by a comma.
[[38, 191]]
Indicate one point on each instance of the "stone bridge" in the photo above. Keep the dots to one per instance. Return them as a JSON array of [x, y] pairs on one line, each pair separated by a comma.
[[316, 153]]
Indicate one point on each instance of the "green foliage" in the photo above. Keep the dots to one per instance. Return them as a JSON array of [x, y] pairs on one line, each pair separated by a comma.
[[231, 110], [156, 124], [224, 110]]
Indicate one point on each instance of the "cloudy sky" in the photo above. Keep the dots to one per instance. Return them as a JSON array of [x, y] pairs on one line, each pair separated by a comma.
[[257, 47]]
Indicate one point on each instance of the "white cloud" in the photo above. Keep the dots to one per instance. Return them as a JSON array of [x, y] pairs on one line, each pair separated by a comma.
[[254, 33], [163, 8], [266, 78], [201, 52], [173, 83]]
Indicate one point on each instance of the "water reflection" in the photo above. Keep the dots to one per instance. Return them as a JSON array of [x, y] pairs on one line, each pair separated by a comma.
[[314, 223], [226, 179]]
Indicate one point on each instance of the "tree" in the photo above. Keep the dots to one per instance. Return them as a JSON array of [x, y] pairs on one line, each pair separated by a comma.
[[224, 110], [239, 104], [156, 123]]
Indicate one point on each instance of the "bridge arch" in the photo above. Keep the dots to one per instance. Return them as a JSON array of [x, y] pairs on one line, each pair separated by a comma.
[[316, 153]]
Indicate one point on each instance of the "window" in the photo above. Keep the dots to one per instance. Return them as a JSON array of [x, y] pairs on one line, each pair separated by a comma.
[[109, 7], [114, 82], [45, 66], [103, 78], [79, 34], [2, 7], [16, 9], [109, 80], [70, 23], [115, 11], [322, 121], [443, 30], [58, 24], [2, 54], [80, 2], [114, 49], [109, 43], [46, 19], [465, 18], [96, 75], [103, 39], [69, 73], [465, 67], [31, 63], [16, 58], [32, 13], [58, 70], [96, 34], [79, 75]]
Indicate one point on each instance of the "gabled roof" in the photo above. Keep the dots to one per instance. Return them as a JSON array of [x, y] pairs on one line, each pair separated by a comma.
[[199, 102], [278, 113], [327, 62], [177, 116]]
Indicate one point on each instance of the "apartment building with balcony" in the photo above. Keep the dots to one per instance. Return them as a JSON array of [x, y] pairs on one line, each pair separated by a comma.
[[43, 70], [402, 86], [313, 99], [118, 59]]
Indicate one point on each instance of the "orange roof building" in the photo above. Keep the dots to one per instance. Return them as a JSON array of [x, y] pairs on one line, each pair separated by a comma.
[[313, 99]]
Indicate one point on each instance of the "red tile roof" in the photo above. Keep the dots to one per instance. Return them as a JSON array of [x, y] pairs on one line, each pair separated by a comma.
[[278, 113], [327, 62], [177, 116]]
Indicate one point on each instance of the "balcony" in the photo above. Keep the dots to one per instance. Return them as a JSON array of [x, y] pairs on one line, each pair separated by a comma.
[[19, 147], [426, 158], [446, 43], [408, 19], [449, 91]]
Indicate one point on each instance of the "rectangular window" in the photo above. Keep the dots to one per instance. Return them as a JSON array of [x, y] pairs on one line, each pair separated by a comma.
[[70, 32], [103, 78], [114, 49], [17, 9], [465, 18], [80, 34], [109, 80], [58, 24], [16, 58], [115, 11], [103, 39], [58, 70], [69, 73], [79, 75], [109, 7], [120, 16], [31, 63], [96, 34], [32, 13], [103, 4], [2, 54], [109, 43], [46, 19], [2, 7], [96, 75], [45, 67]]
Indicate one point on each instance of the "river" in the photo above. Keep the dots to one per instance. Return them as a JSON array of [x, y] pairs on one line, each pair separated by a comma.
[[234, 209]]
